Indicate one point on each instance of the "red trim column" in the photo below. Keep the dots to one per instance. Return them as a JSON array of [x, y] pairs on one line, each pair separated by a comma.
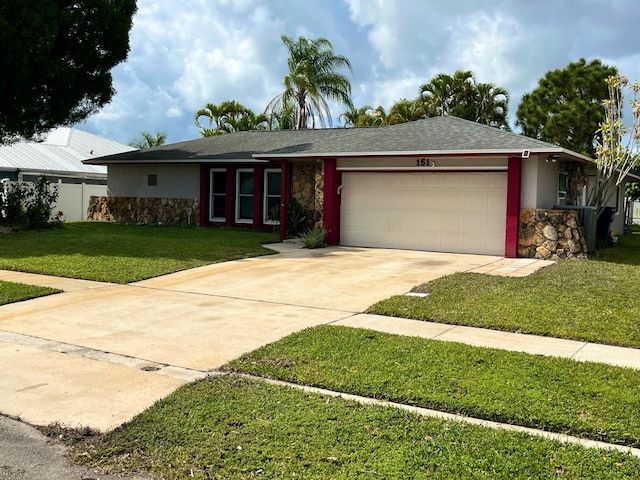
[[514, 171], [204, 195], [258, 175], [230, 200], [331, 205]]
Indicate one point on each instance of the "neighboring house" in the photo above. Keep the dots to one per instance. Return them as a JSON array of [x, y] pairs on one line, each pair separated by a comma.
[[440, 184], [59, 156]]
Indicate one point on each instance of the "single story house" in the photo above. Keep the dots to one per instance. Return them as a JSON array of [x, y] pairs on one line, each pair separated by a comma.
[[440, 184], [58, 156]]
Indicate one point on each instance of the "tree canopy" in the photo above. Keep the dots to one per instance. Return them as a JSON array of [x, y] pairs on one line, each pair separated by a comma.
[[56, 61], [146, 139], [461, 95], [228, 117], [566, 106], [313, 79]]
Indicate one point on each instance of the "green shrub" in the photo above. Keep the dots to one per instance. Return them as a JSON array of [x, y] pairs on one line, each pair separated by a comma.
[[28, 204], [296, 218], [314, 237]]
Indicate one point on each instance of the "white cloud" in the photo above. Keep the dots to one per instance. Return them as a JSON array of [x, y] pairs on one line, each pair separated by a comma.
[[185, 53]]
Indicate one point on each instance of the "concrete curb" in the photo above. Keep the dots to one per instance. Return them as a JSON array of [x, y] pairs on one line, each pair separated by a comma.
[[425, 412]]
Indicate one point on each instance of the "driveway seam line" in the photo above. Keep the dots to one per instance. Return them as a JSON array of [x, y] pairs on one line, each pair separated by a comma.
[[150, 366]]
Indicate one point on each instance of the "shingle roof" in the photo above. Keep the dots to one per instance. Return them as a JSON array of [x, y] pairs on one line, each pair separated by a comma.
[[62, 150], [438, 134]]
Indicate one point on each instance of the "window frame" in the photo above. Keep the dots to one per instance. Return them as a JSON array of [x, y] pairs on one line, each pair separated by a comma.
[[239, 195], [212, 194], [266, 196]]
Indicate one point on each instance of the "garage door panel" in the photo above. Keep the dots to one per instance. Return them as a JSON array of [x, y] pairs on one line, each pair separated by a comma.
[[496, 201], [497, 182], [429, 240], [495, 223], [405, 181], [436, 211], [475, 201], [405, 222], [452, 203], [433, 180], [430, 221], [429, 200], [476, 223], [450, 181], [475, 180]]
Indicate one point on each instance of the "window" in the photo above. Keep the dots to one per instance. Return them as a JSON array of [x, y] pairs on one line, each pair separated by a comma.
[[562, 188], [152, 180], [244, 196], [271, 204], [218, 201]]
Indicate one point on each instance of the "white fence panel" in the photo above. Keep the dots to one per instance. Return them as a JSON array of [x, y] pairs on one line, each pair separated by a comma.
[[73, 199]]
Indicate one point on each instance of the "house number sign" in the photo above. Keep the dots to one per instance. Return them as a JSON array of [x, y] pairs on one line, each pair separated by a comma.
[[424, 162]]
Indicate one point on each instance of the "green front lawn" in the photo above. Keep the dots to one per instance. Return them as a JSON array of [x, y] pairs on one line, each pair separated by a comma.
[[234, 428], [594, 300], [11, 292], [590, 400], [124, 253]]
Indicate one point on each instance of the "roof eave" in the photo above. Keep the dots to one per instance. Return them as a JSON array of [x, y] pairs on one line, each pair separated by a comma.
[[433, 153], [183, 161]]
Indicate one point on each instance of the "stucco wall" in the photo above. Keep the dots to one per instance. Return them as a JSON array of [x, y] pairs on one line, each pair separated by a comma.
[[539, 187], [174, 181]]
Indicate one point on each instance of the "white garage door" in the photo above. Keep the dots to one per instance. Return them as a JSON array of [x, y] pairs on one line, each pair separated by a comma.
[[432, 211]]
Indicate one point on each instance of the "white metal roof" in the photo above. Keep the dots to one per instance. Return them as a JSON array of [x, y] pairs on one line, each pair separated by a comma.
[[62, 150]]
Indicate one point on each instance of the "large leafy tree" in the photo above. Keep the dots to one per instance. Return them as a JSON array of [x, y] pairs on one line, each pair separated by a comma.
[[460, 95], [312, 81], [566, 106], [228, 117], [56, 61]]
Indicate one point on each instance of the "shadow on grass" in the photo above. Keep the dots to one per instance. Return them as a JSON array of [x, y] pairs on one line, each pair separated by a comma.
[[627, 250]]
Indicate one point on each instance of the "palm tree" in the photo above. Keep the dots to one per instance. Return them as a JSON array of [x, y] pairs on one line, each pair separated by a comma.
[[492, 106], [448, 94], [405, 111], [364, 117], [228, 117], [147, 139], [312, 80], [213, 112], [461, 96]]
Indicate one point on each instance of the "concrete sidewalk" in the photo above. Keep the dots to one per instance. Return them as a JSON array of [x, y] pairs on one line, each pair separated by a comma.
[[516, 342]]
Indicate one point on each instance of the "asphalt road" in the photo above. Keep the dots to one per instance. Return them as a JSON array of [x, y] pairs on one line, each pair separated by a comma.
[[26, 454]]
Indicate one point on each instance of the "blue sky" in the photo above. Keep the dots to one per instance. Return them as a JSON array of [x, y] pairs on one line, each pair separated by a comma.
[[186, 53]]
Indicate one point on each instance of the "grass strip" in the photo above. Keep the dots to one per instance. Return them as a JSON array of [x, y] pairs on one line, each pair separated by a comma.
[[588, 400], [590, 300], [125, 253], [11, 292], [235, 428]]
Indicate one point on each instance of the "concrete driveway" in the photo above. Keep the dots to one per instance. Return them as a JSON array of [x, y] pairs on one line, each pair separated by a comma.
[[98, 354]]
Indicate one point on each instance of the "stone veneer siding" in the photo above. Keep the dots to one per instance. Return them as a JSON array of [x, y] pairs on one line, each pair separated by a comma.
[[550, 234], [134, 210], [307, 187]]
